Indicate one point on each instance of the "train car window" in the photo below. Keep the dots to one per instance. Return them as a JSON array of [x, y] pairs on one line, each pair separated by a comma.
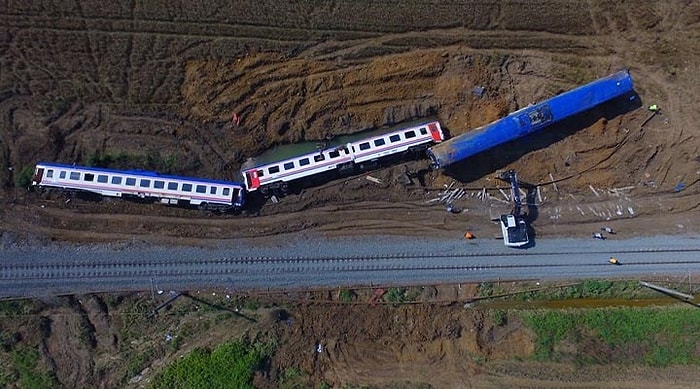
[[274, 169], [201, 189], [187, 187], [379, 142], [131, 181], [116, 180], [212, 190], [304, 162], [410, 134], [102, 178], [62, 174], [394, 138], [334, 154], [89, 177], [289, 166], [159, 184], [226, 191], [145, 183], [261, 173], [49, 173], [319, 158], [423, 131], [345, 150], [172, 185], [74, 175], [364, 146]]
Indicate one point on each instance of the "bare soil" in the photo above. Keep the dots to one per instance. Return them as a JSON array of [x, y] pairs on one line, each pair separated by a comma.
[[158, 83]]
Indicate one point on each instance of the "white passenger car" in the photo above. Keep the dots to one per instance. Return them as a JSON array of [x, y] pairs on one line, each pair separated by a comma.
[[274, 177], [175, 190]]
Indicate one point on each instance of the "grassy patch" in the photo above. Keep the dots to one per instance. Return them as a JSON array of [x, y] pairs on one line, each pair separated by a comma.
[[402, 295], [23, 178], [230, 365], [659, 336], [293, 378], [25, 362], [346, 295], [586, 289]]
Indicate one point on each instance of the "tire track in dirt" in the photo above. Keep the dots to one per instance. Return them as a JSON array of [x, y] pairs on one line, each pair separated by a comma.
[[169, 28]]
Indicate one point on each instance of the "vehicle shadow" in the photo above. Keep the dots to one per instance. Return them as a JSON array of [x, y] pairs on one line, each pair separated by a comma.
[[532, 212]]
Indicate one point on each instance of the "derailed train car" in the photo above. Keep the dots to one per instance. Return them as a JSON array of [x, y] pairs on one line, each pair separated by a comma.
[[530, 119], [274, 178], [269, 179], [141, 184]]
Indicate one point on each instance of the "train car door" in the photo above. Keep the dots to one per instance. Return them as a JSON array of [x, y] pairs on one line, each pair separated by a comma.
[[435, 132], [252, 179], [38, 175]]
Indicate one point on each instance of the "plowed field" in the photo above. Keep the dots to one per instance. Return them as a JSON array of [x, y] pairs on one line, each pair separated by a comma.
[[155, 85]]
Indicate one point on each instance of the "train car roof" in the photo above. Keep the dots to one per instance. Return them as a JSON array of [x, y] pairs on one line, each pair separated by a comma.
[[142, 173], [285, 153]]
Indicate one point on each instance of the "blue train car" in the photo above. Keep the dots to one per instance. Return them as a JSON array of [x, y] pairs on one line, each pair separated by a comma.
[[530, 119]]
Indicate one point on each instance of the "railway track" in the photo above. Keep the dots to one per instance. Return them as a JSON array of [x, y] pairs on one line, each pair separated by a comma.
[[137, 268]]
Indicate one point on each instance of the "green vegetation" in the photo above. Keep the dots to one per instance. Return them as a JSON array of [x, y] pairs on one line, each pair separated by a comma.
[[230, 365], [500, 317], [402, 295], [293, 378], [586, 289], [137, 360], [23, 178], [659, 337], [29, 376], [346, 295]]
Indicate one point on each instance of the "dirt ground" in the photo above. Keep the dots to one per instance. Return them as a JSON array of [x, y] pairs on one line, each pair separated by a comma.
[[155, 85]]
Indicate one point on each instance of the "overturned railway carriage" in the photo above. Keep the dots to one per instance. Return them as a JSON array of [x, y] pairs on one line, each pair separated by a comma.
[[530, 119], [172, 190], [274, 178]]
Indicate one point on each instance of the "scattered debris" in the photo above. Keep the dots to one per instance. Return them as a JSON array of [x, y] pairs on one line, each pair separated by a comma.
[[451, 209], [654, 108], [595, 192], [679, 187], [614, 261], [376, 296], [598, 235], [469, 235], [670, 292], [618, 191], [554, 184], [375, 180], [274, 199], [609, 230]]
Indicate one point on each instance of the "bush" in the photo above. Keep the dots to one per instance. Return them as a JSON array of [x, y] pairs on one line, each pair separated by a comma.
[[346, 295], [23, 179], [395, 295], [230, 365], [25, 362]]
